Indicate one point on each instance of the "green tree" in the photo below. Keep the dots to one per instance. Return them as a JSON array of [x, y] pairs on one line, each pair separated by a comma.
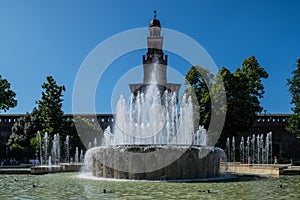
[[7, 96], [294, 88], [243, 89], [238, 118], [23, 132], [254, 75], [200, 80], [47, 117], [50, 107]]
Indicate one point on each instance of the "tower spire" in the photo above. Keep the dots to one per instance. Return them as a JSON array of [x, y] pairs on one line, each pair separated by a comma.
[[155, 62]]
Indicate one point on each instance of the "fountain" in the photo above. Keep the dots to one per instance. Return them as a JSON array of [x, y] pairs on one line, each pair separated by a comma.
[[46, 142], [95, 142], [257, 150], [242, 151], [39, 147], [76, 156], [51, 162], [67, 149], [233, 149], [153, 137], [152, 141], [228, 150], [81, 156], [56, 153]]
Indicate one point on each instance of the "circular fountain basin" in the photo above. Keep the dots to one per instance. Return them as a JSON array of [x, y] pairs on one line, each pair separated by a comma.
[[156, 162]]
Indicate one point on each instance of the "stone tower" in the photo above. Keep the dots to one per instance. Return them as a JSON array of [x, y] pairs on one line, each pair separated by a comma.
[[155, 62]]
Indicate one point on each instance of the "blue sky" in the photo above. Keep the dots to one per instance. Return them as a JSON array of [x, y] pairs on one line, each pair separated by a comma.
[[41, 38]]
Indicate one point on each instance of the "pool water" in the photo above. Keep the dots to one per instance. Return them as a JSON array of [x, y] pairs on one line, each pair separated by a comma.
[[70, 186]]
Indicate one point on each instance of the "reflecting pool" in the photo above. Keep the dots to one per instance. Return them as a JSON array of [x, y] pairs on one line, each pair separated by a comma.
[[70, 186]]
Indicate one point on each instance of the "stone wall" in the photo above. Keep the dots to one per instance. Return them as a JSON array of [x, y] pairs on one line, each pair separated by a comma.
[[250, 169], [190, 165]]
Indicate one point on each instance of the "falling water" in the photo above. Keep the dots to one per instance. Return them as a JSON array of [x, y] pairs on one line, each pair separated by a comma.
[[258, 149], [108, 137], [53, 155], [267, 148], [67, 149], [95, 142], [233, 149], [242, 151], [50, 161], [81, 157], [76, 156], [270, 146], [200, 137], [153, 118], [46, 143], [253, 148], [248, 150], [56, 149], [39, 146], [262, 148], [228, 149]]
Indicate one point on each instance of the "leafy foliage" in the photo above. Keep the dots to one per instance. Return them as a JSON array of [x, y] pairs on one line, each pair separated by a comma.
[[7, 96], [70, 130], [243, 90], [47, 117], [200, 79], [50, 107], [294, 89], [24, 129]]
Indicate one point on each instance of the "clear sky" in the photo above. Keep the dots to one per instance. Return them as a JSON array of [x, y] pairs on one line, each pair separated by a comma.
[[41, 38]]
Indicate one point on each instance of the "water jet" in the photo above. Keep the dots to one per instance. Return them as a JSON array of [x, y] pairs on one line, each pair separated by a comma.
[[154, 138]]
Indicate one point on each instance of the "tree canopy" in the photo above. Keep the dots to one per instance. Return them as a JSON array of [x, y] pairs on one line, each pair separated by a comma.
[[243, 88], [49, 117], [50, 107], [294, 88], [7, 96], [200, 79], [23, 131]]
